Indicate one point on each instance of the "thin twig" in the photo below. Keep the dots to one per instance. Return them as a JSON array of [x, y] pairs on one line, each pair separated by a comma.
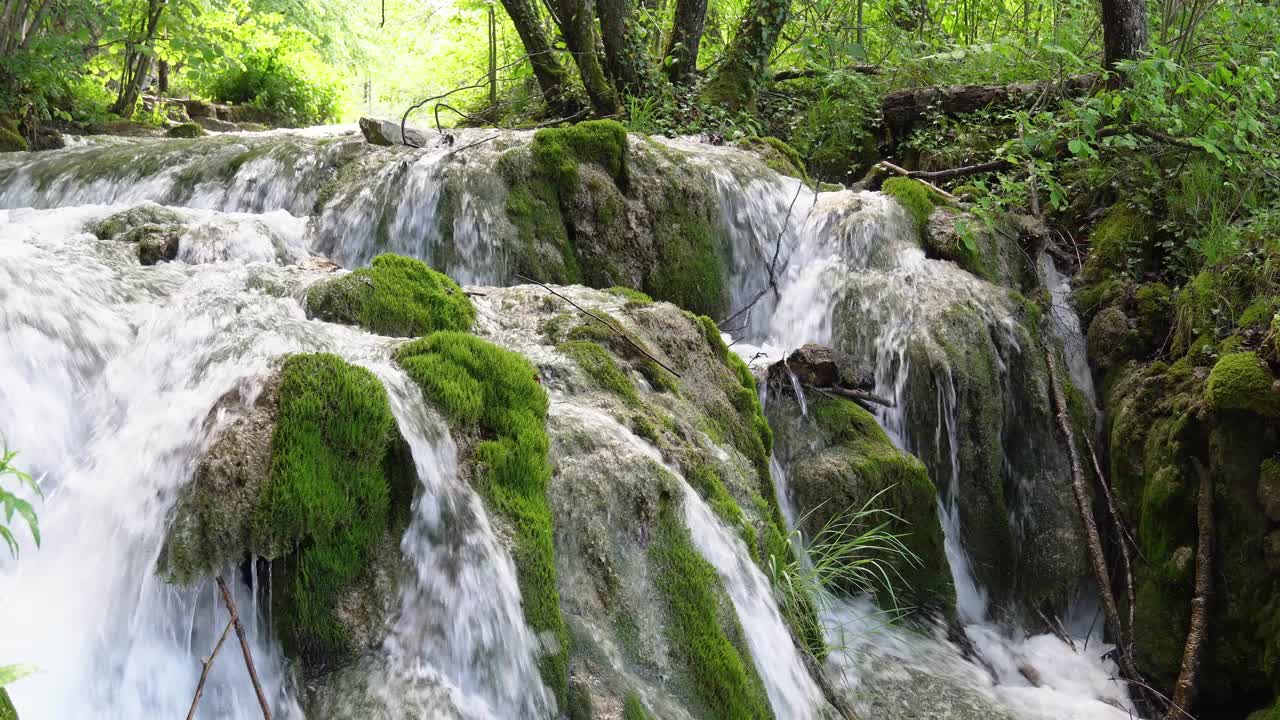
[[244, 648], [1118, 527], [907, 173], [204, 669], [773, 264], [602, 321]]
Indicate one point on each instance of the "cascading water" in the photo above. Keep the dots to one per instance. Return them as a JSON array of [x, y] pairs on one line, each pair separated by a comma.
[[857, 250], [111, 371]]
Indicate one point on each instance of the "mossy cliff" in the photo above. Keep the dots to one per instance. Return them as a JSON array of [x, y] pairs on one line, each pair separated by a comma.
[[592, 205], [838, 459], [646, 615], [1188, 360]]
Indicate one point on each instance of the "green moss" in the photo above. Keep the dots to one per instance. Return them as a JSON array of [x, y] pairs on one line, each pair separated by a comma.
[[632, 296], [689, 271], [11, 141], [326, 503], [912, 195], [600, 366], [580, 705], [1259, 314], [593, 331], [777, 156], [633, 708], [1120, 243], [482, 388], [396, 296], [558, 151], [704, 478], [711, 332], [659, 378], [1153, 302], [1243, 381], [702, 627], [185, 130]]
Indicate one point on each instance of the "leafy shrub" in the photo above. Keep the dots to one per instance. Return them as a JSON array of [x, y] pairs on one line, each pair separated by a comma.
[[281, 83]]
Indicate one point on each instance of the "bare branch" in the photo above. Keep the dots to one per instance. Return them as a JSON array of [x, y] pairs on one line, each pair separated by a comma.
[[244, 648], [204, 669]]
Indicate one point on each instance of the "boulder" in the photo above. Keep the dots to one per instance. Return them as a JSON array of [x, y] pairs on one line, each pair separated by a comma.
[[156, 243], [385, 132], [822, 367], [198, 108], [185, 130], [115, 226], [213, 124]]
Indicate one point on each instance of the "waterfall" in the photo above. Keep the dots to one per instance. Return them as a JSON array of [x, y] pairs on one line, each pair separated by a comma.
[[117, 379], [111, 370]]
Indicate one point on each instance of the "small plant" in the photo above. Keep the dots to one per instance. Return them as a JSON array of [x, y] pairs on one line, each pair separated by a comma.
[[854, 552], [13, 504]]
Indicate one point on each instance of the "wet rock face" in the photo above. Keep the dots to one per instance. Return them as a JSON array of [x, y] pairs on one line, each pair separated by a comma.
[[973, 405], [156, 243], [114, 226]]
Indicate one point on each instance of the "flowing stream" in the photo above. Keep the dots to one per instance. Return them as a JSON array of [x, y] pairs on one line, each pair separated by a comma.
[[112, 373]]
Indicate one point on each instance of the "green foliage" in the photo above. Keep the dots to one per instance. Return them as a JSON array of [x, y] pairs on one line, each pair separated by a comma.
[[913, 196], [495, 393], [14, 505], [326, 503], [7, 711], [280, 82], [697, 614], [1243, 381], [396, 296]]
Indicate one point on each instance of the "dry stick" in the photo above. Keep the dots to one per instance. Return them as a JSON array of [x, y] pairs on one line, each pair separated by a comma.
[[851, 393], [1092, 538], [907, 173], [244, 648], [1117, 525], [602, 321], [204, 670], [1184, 690]]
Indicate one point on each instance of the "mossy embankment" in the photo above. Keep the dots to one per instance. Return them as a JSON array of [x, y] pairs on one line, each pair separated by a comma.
[[1188, 360]]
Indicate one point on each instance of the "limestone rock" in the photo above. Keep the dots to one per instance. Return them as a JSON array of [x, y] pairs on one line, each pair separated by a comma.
[[213, 124], [385, 132], [156, 243], [822, 367], [114, 226]]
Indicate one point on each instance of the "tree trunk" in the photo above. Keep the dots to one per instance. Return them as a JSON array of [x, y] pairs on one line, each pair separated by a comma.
[[137, 62], [903, 109], [1124, 32], [162, 77], [627, 60], [746, 60], [577, 22], [1184, 690], [681, 56], [552, 78]]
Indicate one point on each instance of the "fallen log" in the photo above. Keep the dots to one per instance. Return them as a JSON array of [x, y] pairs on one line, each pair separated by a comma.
[[903, 109]]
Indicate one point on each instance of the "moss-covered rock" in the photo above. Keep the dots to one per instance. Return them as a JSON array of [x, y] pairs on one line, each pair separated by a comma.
[[494, 394], [1243, 381], [116, 225], [913, 196], [1119, 243], [1111, 338], [396, 296], [777, 156], [1269, 488], [704, 630], [11, 141], [839, 461], [316, 480], [592, 206], [156, 243], [185, 130]]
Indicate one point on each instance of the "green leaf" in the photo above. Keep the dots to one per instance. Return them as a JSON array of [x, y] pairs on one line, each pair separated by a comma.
[[12, 673], [1078, 147]]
